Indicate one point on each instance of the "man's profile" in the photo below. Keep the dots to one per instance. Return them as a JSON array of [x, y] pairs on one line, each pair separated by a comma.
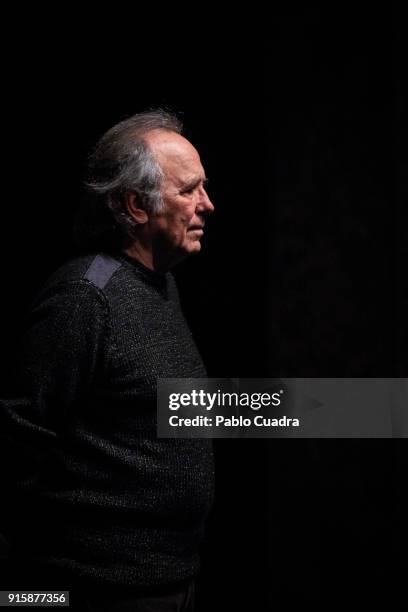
[[103, 505]]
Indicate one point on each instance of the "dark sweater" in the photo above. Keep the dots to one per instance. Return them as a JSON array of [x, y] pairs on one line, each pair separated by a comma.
[[107, 500]]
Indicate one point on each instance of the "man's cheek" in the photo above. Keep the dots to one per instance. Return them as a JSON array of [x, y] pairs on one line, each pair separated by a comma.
[[185, 221]]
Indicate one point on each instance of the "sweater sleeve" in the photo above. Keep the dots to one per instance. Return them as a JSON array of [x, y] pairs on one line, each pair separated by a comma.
[[61, 349]]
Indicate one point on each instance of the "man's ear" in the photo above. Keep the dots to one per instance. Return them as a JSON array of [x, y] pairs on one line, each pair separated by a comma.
[[132, 205]]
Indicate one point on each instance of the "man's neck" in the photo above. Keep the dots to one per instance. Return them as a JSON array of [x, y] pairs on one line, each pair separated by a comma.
[[145, 257], [153, 257]]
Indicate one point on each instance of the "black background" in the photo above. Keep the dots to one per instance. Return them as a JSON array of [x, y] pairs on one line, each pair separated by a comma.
[[299, 118]]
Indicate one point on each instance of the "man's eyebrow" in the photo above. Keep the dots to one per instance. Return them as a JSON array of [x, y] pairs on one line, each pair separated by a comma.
[[194, 182]]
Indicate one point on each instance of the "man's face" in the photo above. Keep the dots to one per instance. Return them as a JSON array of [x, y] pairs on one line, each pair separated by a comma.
[[178, 229]]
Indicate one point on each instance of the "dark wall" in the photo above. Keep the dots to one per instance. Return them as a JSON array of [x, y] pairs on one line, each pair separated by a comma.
[[299, 118]]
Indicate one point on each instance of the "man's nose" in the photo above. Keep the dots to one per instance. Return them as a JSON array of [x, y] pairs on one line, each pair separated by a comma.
[[204, 203]]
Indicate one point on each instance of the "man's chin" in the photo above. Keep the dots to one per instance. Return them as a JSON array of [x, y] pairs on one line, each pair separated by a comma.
[[192, 247], [196, 247], [185, 253]]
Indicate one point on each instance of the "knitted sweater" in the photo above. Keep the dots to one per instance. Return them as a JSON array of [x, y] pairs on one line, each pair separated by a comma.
[[107, 500]]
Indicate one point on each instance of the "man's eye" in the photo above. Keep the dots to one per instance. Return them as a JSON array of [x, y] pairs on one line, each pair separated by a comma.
[[190, 190]]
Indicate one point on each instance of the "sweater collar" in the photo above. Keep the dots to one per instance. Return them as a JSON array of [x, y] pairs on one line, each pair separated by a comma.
[[156, 278]]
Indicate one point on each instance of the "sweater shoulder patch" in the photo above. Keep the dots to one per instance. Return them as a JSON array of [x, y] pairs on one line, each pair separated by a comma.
[[101, 270]]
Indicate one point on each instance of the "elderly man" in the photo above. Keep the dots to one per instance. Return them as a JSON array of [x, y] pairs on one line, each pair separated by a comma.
[[110, 510]]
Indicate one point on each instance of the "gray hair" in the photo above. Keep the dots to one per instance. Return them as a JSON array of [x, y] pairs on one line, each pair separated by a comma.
[[122, 163]]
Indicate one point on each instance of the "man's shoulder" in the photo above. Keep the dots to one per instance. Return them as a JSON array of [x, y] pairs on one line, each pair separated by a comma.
[[96, 269], [110, 278], [84, 279]]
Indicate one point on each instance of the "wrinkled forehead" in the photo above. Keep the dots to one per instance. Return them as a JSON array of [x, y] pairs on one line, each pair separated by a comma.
[[177, 157]]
